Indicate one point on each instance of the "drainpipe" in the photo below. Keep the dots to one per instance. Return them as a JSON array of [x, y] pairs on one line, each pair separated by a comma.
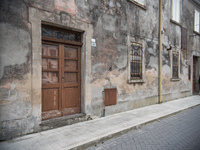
[[160, 52]]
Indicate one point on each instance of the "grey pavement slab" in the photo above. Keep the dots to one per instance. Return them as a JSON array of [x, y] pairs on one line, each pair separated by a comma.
[[180, 131], [83, 134]]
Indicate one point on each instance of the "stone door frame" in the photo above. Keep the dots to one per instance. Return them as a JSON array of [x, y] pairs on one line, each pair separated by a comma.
[[37, 18]]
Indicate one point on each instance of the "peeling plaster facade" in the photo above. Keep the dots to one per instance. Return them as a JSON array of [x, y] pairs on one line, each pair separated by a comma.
[[113, 24]]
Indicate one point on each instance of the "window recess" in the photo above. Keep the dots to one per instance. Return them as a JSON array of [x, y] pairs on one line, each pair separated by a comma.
[[135, 63], [196, 21], [175, 66]]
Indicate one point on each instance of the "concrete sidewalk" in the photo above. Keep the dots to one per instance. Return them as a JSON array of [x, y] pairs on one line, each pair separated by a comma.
[[84, 134]]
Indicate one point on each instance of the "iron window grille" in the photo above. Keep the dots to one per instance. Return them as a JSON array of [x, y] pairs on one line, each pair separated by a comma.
[[175, 65], [136, 61]]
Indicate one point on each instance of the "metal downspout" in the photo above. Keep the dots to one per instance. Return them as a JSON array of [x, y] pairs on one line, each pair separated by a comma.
[[160, 52]]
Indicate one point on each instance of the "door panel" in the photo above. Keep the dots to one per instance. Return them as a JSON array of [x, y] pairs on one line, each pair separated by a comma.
[[70, 52], [51, 114], [71, 80], [49, 77], [70, 77], [71, 97], [71, 65], [50, 99], [49, 50]]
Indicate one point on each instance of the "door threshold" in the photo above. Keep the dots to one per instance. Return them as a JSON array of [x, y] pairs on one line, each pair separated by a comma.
[[62, 121]]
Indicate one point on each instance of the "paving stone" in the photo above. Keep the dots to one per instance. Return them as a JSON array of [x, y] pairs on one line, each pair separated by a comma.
[[177, 132]]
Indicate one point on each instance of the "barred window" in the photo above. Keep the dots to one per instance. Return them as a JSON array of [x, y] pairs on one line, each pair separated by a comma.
[[136, 61], [175, 65]]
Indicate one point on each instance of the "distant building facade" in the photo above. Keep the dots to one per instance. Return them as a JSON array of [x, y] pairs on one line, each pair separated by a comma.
[[63, 62]]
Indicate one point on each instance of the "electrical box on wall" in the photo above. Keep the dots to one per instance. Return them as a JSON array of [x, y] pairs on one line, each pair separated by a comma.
[[110, 96]]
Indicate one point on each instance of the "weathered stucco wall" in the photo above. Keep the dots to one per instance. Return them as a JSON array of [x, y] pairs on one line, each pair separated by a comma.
[[113, 24], [15, 70]]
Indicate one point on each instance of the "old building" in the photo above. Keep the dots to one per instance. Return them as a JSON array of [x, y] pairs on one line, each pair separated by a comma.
[[66, 61]]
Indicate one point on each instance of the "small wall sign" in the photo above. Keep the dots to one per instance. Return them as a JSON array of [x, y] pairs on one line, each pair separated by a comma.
[[93, 43]]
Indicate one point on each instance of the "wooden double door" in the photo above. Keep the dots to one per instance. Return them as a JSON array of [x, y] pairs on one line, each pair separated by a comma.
[[61, 80]]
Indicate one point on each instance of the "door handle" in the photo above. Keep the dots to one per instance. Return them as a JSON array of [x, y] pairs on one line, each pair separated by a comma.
[[62, 78]]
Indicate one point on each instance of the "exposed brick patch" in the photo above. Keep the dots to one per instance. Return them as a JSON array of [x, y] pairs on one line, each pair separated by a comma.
[[66, 6]]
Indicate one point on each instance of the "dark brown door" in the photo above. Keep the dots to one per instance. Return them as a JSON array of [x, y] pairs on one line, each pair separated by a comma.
[[194, 74], [60, 80]]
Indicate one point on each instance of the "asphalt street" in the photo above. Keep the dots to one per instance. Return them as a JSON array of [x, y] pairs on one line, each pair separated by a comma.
[[177, 132]]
